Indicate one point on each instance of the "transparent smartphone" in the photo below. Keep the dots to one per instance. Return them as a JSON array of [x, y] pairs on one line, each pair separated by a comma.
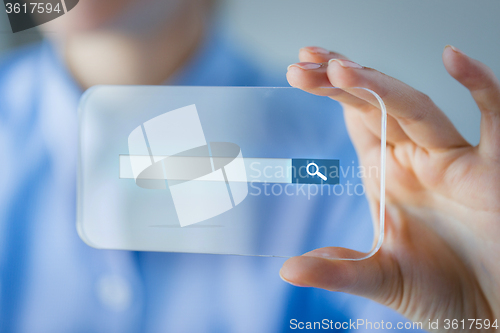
[[228, 170]]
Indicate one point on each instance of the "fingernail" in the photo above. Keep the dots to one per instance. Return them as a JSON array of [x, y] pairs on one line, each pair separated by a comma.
[[316, 49], [292, 283], [454, 49], [346, 63], [305, 65]]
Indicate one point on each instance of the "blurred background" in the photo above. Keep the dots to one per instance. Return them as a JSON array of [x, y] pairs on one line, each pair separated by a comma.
[[404, 39]]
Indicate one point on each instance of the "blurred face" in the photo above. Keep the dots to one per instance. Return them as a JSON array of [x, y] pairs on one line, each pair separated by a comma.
[[129, 15]]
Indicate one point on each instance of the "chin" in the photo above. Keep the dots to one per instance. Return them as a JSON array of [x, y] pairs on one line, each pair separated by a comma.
[[87, 16]]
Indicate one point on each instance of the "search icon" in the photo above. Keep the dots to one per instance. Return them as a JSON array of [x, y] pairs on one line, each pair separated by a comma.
[[316, 173]]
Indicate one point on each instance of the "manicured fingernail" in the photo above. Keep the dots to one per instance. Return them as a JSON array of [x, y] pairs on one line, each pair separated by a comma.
[[346, 63], [316, 49], [292, 283], [454, 49], [305, 65]]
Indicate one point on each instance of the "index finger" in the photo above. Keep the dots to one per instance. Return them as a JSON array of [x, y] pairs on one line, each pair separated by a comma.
[[424, 123]]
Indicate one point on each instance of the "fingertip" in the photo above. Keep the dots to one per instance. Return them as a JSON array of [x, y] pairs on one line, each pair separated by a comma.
[[318, 54], [298, 271], [346, 63], [470, 72], [315, 50], [310, 271], [460, 66], [453, 49], [284, 275], [455, 61], [294, 76], [344, 73], [307, 76], [292, 271]]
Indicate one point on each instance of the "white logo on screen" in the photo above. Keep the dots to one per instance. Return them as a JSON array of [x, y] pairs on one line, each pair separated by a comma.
[[205, 180]]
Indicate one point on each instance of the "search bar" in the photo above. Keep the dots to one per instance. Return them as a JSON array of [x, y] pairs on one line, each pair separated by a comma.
[[259, 170]]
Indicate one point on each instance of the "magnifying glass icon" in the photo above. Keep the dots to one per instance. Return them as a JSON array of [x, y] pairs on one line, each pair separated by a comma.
[[315, 173]]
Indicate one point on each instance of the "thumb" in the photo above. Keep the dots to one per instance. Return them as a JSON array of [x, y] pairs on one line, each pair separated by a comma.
[[377, 277]]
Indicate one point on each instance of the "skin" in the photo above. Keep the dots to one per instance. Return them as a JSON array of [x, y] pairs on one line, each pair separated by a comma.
[[440, 257], [100, 46]]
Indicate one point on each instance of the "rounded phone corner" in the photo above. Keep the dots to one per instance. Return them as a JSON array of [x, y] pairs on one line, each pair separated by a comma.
[[83, 236], [86, 95]]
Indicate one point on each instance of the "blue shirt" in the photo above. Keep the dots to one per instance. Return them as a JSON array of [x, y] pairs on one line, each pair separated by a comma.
[[50, 281]]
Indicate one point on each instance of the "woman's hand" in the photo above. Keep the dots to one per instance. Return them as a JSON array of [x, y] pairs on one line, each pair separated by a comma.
[[441, 254]]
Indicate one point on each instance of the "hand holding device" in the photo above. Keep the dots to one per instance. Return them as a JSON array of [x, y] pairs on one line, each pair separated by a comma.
[[440, 256]]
